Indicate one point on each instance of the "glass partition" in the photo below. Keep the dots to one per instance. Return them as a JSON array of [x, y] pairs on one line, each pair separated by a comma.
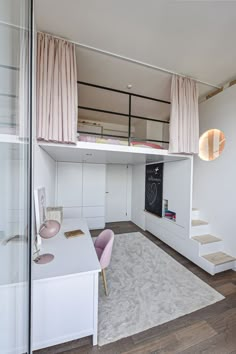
[[15, 180]]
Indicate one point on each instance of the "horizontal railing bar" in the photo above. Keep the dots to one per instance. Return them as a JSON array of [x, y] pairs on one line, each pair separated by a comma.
[[151, 119], [123, 92], [121, 136], [122, 114], [102, 134], [152, 140], [103, 111]]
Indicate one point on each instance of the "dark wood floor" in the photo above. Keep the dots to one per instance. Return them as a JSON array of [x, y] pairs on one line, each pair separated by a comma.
[[211, 330]]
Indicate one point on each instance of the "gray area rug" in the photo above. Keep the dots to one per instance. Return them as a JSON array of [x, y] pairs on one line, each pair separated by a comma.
[[146, 288]]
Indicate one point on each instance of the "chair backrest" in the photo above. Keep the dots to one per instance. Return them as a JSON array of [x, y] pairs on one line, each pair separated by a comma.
[[105, 242]]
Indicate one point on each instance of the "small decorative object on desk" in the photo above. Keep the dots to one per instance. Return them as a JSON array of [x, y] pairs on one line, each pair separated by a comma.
[[55, 213], [73, 233]]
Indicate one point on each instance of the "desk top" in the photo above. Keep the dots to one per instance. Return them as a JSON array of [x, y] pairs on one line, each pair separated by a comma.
[[74, 255]]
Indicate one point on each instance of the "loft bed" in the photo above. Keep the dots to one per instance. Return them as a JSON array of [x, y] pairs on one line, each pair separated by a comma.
[[108, 154], [100, 147], [128, 139], [9, 127], [116, 140]]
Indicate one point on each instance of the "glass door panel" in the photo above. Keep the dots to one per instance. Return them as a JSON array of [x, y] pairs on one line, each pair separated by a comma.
[[15, 172]]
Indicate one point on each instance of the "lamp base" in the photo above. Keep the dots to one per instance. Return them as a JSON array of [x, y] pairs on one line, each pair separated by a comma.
[[44, 258]]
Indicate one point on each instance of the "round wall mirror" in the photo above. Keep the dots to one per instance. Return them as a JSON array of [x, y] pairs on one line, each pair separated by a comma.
[[211, 144]]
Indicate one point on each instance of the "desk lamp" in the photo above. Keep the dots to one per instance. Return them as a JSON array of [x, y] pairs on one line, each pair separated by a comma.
[[47, 230]]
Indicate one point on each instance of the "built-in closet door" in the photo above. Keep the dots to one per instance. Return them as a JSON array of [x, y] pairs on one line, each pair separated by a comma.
[[81, 192], [69, 188], [118, 193], [94, 182]]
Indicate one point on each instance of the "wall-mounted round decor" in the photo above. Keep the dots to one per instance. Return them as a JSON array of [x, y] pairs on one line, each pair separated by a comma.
[[211, 144]]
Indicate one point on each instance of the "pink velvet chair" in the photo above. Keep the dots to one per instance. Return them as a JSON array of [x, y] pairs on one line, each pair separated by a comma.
[[103, 246]]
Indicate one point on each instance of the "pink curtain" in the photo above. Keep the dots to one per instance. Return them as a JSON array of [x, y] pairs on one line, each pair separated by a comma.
[[56, 90], [184, 118]]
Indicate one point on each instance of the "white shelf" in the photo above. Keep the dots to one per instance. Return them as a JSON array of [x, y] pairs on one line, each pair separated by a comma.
[[108, 153]]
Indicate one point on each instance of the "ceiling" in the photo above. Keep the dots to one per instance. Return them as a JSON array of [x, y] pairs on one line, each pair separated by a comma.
[[189, 37]]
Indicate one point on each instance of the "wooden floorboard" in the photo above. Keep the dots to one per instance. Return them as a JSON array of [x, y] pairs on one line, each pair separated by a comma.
[[211, 330]]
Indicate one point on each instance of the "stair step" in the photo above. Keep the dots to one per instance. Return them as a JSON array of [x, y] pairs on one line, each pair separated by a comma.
[[199, 223], [218, 258], [205, 239]]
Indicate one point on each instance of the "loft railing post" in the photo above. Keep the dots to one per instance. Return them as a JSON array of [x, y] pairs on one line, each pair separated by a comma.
[[129, 133]]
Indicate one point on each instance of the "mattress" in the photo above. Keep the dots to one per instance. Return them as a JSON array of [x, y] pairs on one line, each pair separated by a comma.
[[99, 140]]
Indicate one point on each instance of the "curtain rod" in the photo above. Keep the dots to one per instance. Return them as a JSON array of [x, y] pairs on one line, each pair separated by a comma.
[[114, 55], [118, 56]]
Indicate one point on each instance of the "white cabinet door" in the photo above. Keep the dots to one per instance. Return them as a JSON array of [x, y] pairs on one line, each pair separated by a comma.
[[117, 193], [81, 191], [69, 184], [65, 309], [94, 178]]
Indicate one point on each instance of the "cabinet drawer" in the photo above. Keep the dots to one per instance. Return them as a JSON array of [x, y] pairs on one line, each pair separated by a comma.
[[91, 212]]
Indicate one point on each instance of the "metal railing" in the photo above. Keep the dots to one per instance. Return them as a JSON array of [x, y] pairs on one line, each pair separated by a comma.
[[129, 114]]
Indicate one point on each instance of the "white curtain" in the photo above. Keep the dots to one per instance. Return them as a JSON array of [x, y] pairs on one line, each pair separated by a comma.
[[184, 119], [56, 90]]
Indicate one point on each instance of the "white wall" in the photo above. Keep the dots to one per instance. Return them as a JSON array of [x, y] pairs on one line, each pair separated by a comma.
[[45, 173], [165, 135], [140, 128], [154, 130], [108, 128], [214, 181]]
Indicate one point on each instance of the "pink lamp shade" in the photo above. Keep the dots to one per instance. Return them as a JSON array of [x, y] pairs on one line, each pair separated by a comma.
[[49, 229]]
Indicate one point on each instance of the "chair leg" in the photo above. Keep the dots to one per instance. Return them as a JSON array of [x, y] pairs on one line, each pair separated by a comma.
[[104, 281]]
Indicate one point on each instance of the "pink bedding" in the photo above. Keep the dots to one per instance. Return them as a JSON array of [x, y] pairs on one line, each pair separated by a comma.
[[94, 139], [146, 144]]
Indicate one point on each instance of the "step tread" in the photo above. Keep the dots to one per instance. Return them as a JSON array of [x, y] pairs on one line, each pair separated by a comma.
[[199, 222], [205, 239], [218, 258]]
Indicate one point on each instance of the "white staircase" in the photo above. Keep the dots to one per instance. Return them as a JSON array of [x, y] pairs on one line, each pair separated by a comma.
[[210, 247]]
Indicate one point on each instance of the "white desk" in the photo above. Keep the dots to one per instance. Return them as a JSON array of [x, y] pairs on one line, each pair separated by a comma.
[[65, 291]]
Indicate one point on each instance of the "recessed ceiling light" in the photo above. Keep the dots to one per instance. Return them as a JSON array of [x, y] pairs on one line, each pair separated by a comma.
[[129, 86]]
